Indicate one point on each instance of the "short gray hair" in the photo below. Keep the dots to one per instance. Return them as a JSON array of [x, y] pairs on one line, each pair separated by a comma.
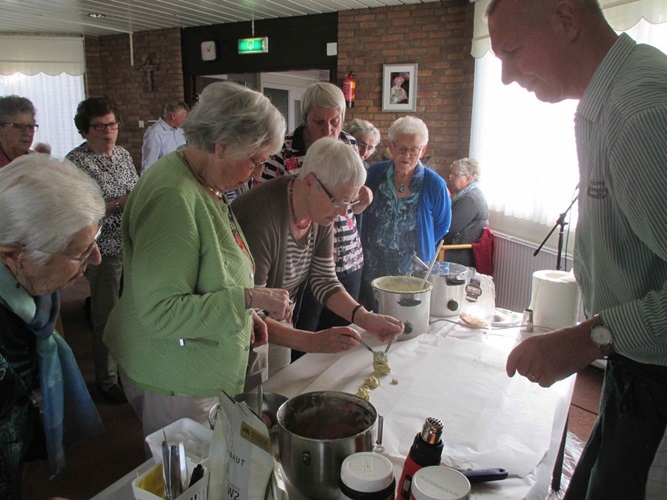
[[363, 128], [173, 106], [323, 94], [334, 163], [12, 105], [44, 202], [409, 125], [241, 119], [467, 166]]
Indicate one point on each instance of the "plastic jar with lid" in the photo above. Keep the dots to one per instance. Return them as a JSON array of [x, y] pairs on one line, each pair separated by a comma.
[[367, 476], [439, 483]]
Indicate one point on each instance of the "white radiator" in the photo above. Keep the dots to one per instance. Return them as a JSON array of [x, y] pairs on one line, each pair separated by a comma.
[[513, 267]]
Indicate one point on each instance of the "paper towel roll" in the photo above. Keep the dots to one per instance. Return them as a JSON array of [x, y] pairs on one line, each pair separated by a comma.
[[554, 299]]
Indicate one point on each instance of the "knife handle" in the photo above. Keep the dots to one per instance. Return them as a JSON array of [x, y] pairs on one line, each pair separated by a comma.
[[484, 475]]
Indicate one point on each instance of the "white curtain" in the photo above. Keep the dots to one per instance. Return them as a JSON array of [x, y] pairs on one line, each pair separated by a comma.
[[42, 54], [55, 99], [526, 148]]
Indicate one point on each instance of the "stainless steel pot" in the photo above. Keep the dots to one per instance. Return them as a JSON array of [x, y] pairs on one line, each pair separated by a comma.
[[449, 282], [316, 432], [406, 298]]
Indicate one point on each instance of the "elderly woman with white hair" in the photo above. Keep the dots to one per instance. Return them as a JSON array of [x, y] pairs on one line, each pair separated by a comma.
[[411, 210], [186, 322], [323, 113], [288, 223], [50, 221], [367, 136], [470, 212]]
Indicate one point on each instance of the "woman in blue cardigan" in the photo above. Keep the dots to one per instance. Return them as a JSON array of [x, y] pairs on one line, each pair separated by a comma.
[[411, 209]]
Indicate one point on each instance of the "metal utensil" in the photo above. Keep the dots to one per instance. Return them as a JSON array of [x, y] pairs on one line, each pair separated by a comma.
[[174, 471], [435, 258], [166, 469], [363, 343], [391, 340], [183, 467], [378, 441], [260, 400]]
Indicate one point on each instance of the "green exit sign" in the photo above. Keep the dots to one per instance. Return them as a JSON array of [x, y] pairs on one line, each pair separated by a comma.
[[254, 45]]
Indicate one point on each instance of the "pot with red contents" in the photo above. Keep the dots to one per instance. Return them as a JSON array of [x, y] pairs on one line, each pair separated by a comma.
[[316, 432]]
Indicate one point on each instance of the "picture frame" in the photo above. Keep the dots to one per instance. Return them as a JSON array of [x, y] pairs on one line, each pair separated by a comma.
[[399, 87]]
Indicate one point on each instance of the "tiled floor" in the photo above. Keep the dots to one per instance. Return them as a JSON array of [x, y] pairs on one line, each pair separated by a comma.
[[93, 464]]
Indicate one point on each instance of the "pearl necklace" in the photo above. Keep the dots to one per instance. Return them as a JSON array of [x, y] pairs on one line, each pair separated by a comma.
[[290, 196]]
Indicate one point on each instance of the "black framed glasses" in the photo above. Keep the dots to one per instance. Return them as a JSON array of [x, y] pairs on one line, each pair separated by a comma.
[[101, 126], [337, 204], [22, 126], [81, 259]]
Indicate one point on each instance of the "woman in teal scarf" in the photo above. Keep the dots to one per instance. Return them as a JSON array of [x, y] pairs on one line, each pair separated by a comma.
[[50, 221]]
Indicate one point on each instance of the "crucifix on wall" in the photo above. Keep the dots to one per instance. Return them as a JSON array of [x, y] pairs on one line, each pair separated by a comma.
[[148, 68]]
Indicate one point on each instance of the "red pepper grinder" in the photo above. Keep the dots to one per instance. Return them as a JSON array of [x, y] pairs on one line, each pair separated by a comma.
[[426, 450]]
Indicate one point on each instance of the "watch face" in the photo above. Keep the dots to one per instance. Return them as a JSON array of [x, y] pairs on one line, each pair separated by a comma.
[[601, 335], [208, 51]]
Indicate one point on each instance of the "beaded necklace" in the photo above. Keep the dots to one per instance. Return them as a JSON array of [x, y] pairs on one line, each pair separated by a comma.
[[302, 225]]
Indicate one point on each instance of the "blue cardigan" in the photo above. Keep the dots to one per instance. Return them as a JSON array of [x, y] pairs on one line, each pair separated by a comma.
[[435, 208]]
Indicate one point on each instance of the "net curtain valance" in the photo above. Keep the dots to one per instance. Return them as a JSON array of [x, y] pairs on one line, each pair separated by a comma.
[[42, 54], [621, 14]]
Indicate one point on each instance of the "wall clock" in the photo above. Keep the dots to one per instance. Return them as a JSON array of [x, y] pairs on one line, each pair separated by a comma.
[[208, 52]]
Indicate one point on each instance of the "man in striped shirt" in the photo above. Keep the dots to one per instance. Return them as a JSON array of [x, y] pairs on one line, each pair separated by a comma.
[[565, 49]]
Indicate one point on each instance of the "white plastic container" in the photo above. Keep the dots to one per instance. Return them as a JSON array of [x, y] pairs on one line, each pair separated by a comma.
[[198, 491], [438, 482], [367, 475], [194, 436]]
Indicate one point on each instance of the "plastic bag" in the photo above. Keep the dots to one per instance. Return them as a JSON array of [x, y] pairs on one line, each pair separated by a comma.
[[480, 300], [240, 458]]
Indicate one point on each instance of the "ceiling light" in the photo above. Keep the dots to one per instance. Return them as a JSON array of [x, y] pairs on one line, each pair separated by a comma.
[[96, 15]]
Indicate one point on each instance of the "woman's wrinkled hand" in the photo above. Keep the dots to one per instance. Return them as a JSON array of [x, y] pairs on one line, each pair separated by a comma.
[[335, 339], [381, 325], [275, 301], [260, 332], [365, 199]]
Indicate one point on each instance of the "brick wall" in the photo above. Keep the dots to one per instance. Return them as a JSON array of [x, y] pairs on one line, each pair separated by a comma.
[[110, 72], [436, 36]]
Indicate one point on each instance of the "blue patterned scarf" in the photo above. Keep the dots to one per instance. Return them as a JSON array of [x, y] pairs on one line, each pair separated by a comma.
[[68, 410]]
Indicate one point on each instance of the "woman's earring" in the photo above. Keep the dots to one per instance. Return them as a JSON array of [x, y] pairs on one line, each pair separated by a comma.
[[220, 156]]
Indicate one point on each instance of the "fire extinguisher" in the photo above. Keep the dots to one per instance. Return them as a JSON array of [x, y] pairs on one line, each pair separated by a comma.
[[350, 89]]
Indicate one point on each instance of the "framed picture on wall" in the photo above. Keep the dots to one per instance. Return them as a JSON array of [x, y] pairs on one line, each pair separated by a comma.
[[399, 87]]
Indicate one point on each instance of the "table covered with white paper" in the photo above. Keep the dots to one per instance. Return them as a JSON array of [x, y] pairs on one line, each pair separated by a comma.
[[456, 374]]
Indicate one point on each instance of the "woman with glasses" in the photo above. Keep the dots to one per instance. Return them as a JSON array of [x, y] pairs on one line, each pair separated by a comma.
[[411, 210], [323, 113], [98, 119], [470, 213], [185, 324], [367, 136], [50, 217], [17, 127], [288, 222]]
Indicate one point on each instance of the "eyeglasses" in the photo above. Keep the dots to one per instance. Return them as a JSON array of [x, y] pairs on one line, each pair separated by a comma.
[[22, 126], [365, 147], [337, 204], [457, 174], [412, 152], [81, 259], [257, 164], [101, 126]]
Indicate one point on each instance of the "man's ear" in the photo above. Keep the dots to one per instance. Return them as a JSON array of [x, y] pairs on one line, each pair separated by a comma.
[[566, 20]]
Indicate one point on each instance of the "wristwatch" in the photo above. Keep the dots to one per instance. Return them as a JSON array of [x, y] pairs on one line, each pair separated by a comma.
[[603, 338]]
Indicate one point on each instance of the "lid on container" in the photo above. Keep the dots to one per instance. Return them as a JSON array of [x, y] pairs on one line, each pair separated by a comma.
[[451, 269], [401, 284], [439, 483], [367, 472]]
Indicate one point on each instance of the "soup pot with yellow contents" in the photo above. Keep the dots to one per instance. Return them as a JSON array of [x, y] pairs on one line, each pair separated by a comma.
[[406, 298]]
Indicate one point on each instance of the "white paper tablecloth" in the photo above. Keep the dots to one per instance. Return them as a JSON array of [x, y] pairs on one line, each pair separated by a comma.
[[456, 374]]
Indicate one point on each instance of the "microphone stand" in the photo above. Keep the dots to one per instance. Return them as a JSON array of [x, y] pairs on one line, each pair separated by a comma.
[[560, 222]]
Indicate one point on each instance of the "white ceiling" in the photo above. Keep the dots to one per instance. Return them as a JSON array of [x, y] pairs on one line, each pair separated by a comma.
[[71, 17]]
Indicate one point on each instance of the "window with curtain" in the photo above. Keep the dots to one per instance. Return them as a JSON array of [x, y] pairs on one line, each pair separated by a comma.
[[48, 70], [526, 148], [55, 99]]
